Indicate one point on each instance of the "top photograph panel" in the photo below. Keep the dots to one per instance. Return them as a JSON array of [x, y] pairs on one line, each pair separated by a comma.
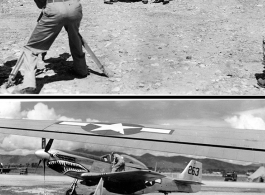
[[132, 47]]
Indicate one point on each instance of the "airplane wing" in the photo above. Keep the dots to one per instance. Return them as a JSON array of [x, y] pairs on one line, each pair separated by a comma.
[[181, 181], [223, 143], [124, 176]]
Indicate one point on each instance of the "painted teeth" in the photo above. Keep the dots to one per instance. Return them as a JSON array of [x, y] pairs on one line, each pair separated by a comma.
[[68, 166]]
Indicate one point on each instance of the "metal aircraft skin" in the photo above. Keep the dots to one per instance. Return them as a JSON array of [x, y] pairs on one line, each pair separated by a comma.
[[212, 142], [135, 179]]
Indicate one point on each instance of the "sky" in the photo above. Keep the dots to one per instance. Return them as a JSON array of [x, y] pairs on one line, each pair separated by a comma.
[[248, 114]]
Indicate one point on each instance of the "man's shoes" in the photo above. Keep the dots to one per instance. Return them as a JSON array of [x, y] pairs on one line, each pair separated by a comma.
[[27, 90], [108, 2], [158, 1], [114, 1], [261, 82], [165, 2], [78, 75], [145, 1]]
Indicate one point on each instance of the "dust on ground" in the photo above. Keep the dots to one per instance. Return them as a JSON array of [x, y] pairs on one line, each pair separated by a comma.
[[195, 47]]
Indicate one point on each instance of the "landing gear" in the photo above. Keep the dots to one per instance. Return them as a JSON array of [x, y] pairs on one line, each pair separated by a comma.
[[72, 191], [69, 192]]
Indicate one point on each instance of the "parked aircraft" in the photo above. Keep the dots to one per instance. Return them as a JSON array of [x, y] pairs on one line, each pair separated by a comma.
[[3, 169], [223, 143], [135, 179]]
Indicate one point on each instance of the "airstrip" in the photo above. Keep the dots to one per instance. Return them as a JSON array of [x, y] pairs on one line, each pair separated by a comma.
[[13, 184]]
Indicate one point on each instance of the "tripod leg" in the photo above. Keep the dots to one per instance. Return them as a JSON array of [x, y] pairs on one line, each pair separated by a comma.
[[15, 70]]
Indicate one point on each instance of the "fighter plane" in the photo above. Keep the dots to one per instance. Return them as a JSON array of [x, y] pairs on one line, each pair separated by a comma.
[[222, 143], [135, 179]]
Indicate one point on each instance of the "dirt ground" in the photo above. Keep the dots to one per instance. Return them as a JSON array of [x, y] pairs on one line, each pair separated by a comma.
[[187, 47], [58, 185]]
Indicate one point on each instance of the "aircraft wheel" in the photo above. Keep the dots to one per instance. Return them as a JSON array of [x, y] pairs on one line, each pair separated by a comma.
[[68, 192], [92, 193]]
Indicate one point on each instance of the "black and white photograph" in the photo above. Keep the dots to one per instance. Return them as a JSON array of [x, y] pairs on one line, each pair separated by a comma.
[[132, 47], [132, 147]]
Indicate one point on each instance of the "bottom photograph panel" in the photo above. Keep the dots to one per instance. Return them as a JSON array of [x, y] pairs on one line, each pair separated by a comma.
[[135, 146]]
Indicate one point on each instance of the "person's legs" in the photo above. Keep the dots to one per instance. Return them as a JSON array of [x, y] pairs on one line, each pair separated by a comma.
[[28, 68], [46, 31], [40, 41], [75, 42]]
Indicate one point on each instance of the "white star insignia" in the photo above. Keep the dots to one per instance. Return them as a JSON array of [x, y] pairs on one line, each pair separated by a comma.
[[118, 127]]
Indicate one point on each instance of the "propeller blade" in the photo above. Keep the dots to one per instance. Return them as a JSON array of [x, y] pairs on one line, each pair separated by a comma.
[[44, 168], [48, 146], [44, 160], [43, 143], [38, 166], [39, 163]]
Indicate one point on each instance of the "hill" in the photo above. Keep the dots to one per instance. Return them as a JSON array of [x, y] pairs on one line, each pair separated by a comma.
[[163, 163], [178, 163]]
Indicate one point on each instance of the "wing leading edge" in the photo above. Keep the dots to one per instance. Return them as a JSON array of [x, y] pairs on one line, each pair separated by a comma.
[[124, 176], [190, 182], [222, 143]]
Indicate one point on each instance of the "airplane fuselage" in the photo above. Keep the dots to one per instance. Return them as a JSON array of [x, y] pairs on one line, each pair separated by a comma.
[[74, 163], [164, 185]]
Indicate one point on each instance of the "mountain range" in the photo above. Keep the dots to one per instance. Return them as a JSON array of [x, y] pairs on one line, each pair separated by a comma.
[[160, 163]]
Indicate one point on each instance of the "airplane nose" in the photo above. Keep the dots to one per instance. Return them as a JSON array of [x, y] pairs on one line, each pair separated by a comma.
[[41, 154]]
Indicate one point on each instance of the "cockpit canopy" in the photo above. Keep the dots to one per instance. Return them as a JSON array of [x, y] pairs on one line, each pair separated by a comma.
[[129, 161]]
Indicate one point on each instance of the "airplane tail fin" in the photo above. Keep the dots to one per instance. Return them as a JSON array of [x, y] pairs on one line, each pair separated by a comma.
[[192, 172]]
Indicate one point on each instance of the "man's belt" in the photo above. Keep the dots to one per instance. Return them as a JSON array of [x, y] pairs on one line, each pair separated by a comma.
[[51, 1]]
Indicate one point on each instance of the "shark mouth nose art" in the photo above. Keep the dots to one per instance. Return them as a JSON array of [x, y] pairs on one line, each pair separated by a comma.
[[65, 166]]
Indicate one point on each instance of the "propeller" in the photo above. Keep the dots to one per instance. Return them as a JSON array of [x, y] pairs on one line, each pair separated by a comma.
[[43, 154]]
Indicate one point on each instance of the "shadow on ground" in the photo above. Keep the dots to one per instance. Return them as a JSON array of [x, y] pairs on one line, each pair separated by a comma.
[[56, 69]]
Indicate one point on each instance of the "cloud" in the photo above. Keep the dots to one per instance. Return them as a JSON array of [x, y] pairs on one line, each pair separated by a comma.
[[64, 118], [15, 144], [251, 119], [10, 109], [42, 112], [91, 120]]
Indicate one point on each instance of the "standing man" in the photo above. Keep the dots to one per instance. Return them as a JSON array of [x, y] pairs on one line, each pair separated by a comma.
[[56, 15], [118, 163]]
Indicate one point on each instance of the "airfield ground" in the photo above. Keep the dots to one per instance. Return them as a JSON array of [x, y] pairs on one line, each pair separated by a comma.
[[185, 47], [57, 185]]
